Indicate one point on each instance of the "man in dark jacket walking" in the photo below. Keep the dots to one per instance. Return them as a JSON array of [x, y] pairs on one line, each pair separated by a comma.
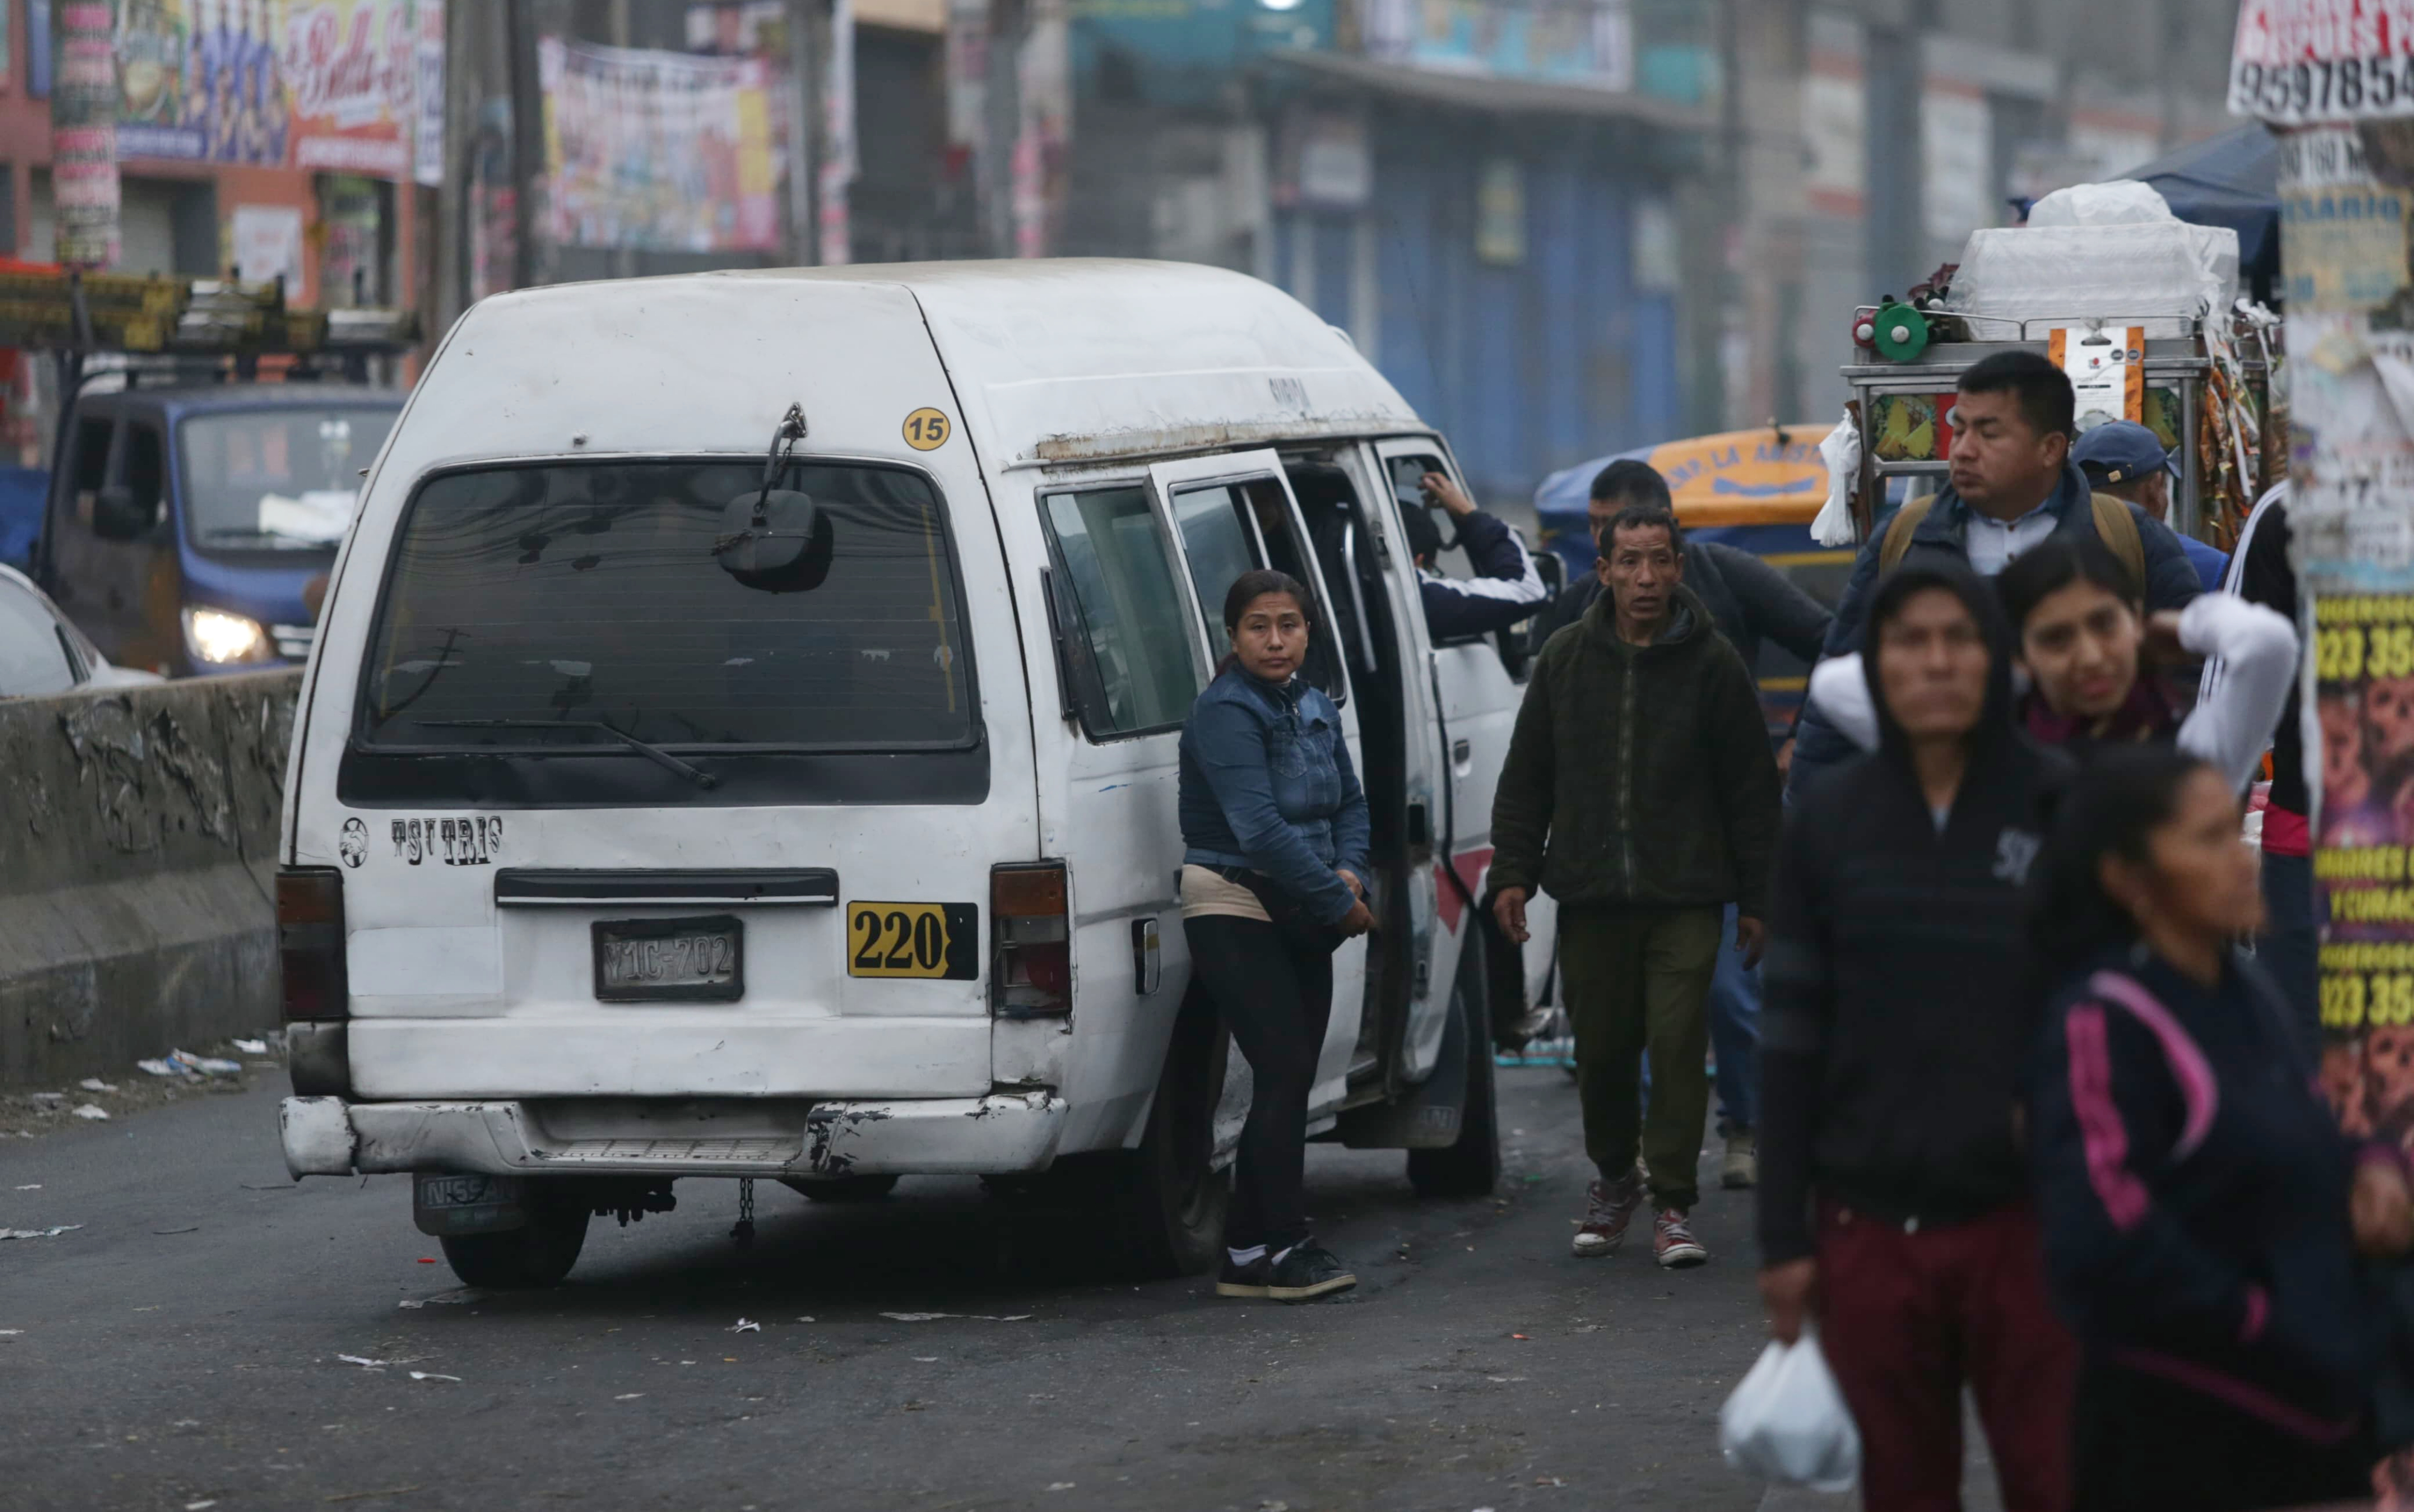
[[1893, 1198], [2012, 485], [1639, 791], [1749, 600]]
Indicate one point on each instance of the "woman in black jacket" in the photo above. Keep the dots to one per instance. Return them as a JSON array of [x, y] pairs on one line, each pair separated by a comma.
[[2203, 1216]]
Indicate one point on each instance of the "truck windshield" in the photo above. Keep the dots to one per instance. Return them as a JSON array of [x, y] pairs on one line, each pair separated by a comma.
[[544, 608], [277, 480]]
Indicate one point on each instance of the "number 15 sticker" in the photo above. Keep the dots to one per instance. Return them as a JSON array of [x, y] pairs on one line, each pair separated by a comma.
[[926, 430]]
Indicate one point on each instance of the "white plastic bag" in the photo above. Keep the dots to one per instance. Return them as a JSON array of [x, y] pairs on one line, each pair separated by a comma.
[[1842, 453], [1787, 1421]]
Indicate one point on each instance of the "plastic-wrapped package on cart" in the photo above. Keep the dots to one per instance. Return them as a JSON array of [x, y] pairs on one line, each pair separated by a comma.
[[2158, 275], [2120, 202]]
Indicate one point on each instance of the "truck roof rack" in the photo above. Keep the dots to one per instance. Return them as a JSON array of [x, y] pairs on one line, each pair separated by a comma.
[[48, 308]]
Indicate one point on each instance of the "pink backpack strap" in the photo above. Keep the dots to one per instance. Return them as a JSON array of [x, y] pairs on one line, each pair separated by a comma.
[[2186, 1060]]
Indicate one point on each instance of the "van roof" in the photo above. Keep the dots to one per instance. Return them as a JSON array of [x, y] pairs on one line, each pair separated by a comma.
[[1053, 361]]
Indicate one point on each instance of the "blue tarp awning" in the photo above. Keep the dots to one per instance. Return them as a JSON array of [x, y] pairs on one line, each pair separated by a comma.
[[2231, 180]]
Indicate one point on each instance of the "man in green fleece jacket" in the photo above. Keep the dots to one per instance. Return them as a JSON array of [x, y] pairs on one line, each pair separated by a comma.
[[1640, 792]]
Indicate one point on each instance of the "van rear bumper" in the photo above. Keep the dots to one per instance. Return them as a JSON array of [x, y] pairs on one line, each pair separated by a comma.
[[999, 1135]]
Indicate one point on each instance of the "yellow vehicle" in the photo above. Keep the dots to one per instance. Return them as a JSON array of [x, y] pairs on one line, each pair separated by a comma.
[[1756, 489]]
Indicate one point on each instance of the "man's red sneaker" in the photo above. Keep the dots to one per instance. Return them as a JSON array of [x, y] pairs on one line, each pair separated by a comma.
[[1608, 1210], [1673, 1243]]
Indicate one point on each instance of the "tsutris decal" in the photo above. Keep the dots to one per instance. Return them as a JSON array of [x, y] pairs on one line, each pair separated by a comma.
[[354, 845], [459, 840]]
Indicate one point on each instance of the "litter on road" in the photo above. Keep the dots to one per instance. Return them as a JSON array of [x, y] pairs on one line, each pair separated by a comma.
[[92, 1111], [431, 1376], [204, 1065], [195, 1229], [364, 1362], [31, 1186], [746, 1325], [158, 1068], [252, 1046], [51, 1233], [933, 1317], [94, 1084]]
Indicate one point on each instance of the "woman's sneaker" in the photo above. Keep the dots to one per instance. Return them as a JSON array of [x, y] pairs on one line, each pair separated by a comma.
[[1308, 1271], [1249, 1280], [1607, 1211], [1673, 1243]]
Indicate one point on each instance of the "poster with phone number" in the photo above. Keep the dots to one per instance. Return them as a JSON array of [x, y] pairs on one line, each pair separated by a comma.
[[2298, 62], [2364, 695]]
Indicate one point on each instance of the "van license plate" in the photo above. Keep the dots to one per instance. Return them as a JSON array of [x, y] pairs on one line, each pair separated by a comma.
[[670, 960], [448, 1203], [924, 939]]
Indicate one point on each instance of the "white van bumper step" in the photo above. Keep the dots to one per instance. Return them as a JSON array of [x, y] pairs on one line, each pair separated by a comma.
[[986, 1135]]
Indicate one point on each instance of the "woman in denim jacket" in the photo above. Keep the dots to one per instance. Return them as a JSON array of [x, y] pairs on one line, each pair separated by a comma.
[[1276, 830]]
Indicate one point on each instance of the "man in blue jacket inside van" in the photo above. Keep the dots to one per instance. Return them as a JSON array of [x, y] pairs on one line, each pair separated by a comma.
[[1506, 588]]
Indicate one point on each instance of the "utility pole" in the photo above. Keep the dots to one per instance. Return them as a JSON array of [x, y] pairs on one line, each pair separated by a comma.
[[804, 135], [528, 137], [1009, 25]]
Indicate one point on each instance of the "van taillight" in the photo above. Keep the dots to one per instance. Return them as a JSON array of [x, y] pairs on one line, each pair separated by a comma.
[[1031, 970], [310, 941]]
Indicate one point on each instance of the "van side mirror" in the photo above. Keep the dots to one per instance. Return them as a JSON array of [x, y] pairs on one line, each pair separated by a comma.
[[1554, 569], [115, 516]]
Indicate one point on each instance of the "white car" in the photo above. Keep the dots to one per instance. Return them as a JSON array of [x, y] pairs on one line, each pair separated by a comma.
[[42, 652]]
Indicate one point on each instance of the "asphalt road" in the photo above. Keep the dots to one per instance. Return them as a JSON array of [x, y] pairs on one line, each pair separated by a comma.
[[181, 1348]]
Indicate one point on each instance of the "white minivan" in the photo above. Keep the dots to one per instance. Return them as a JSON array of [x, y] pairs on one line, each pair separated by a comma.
[[741, 742]]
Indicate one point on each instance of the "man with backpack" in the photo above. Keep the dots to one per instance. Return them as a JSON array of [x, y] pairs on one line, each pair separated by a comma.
[[2012, 485]]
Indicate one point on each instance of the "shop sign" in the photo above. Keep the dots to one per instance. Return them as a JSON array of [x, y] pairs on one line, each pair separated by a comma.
[[350, 65]]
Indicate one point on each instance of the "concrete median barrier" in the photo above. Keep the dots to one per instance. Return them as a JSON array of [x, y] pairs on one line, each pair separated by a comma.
[[138, 859]]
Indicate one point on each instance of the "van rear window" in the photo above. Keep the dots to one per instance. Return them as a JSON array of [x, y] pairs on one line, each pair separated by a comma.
[[526, 606]]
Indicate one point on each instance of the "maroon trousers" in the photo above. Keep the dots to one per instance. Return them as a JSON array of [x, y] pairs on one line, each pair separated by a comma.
[[1907, 1317]]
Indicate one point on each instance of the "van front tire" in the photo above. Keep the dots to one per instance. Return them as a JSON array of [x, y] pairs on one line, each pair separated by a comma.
[[1472, 1166], [1171, 1200], [538, 1255]]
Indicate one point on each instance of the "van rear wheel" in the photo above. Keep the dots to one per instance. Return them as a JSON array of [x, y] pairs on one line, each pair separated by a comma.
[[1170, 1198], [539, 1255], [1472, 1166]]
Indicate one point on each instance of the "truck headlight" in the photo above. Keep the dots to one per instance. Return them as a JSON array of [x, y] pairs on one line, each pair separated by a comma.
[[214, 636]]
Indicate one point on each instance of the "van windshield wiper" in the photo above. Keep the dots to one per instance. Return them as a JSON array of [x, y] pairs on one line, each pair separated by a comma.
[[653, 753]]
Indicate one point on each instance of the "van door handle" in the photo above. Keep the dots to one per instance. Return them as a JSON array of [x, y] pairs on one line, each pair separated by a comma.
[[1462, 755], [1147, 957]]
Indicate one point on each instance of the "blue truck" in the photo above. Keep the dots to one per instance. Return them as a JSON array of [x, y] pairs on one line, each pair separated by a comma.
[[185, 527]]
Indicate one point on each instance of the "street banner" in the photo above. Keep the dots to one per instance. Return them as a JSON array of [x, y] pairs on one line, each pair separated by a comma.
[[83, 135], [659, 151], [200, 82], [351, 67]]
